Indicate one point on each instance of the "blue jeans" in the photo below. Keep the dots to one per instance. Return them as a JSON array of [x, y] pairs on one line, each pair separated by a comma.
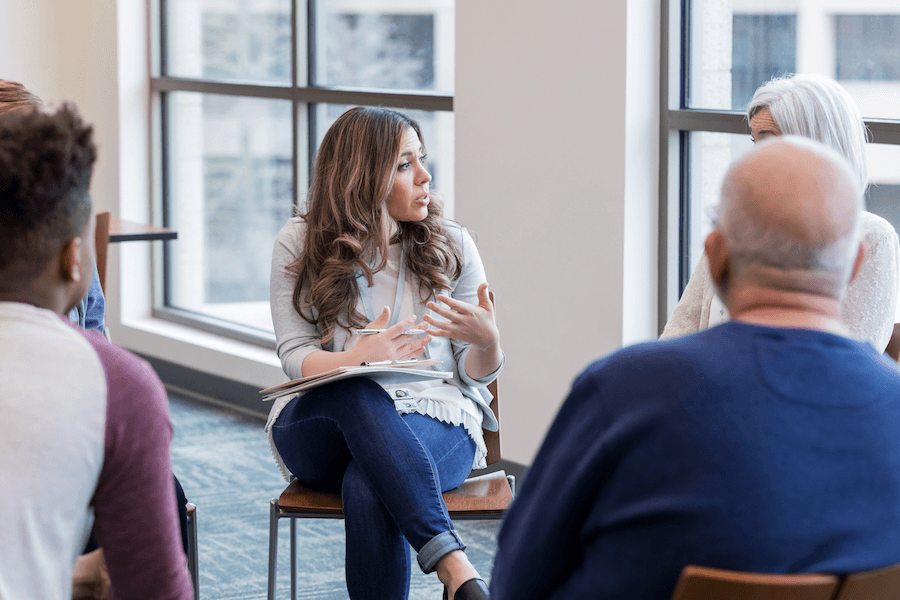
[[390, 469], [90, 312]]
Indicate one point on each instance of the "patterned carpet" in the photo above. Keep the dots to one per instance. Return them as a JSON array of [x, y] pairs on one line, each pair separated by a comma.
[[223, 462]]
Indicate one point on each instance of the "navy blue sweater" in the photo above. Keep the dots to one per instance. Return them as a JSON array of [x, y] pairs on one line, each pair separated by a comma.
[[741, 447]]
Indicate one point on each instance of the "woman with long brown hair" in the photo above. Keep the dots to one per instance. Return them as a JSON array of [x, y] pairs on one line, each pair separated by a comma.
[[369, 236]]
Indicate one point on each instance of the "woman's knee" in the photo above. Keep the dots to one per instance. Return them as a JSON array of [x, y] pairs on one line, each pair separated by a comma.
[[353, 392], [451, 448], [354, 386]]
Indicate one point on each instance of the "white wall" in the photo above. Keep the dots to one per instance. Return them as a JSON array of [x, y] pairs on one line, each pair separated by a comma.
[[555, 161], [641, 199], [556, 117]]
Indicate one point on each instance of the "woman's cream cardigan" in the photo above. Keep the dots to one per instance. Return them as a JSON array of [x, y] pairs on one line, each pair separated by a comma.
[[869, 308]]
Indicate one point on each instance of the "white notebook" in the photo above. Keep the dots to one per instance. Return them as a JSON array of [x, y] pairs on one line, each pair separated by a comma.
[[382, 374]]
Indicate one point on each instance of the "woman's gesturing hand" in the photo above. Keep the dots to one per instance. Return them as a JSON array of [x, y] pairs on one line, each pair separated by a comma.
[[472, 323], [390, 344]]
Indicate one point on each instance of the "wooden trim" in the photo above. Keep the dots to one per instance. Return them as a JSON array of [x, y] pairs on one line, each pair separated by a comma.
[[101, 246]]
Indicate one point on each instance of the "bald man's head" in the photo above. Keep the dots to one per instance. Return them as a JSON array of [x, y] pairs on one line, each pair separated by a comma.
[[790, 215]]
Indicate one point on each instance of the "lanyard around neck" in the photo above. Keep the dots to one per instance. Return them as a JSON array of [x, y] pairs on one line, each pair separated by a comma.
[[365, 295]]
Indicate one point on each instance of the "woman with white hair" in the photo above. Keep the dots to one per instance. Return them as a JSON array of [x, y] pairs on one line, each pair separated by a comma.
[[816, 107]]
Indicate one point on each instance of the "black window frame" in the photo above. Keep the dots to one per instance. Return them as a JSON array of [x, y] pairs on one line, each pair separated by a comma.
[[677, 122], [162, 84]]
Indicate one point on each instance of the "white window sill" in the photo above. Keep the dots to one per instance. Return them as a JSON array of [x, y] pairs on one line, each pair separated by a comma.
[[199, 350]]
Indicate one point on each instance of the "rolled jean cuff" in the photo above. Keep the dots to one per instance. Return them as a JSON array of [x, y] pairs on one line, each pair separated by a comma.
[[438, 547]]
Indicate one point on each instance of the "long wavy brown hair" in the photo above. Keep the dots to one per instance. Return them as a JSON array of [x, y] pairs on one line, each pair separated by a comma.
[[347, 223]]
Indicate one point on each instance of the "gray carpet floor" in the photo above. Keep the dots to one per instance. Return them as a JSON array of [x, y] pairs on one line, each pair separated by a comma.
[[223, 462]]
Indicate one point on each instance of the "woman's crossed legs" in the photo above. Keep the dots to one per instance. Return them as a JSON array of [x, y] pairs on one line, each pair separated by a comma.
[[391, 471]]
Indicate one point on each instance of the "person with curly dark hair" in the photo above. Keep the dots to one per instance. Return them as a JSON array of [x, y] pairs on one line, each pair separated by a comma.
[[373, 235], [90, 312], [85, 431]]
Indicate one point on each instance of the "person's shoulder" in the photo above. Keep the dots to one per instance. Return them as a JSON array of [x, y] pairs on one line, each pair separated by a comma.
[[455, 230], [875, 228], [291, 237], [687, 345], [634, 360], [691, 352], [124, 370], [294, 228], [45, 326], [461, 235]]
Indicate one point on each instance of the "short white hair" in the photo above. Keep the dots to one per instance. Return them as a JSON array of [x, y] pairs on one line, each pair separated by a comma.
[[819, 108], [756, 243]]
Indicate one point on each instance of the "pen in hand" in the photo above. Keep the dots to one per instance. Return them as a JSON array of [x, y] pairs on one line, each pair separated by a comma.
[[382, 363], [404, 332]]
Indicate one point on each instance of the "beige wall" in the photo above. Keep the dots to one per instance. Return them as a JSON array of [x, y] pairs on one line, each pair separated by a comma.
[[556, 117], [67, 51], [555, 161]]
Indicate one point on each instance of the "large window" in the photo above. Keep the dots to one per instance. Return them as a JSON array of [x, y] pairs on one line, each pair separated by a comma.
[[245, 91], [867, 47], [715, 55]]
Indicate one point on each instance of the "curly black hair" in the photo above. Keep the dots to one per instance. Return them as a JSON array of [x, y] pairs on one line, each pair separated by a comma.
[[46, 161]]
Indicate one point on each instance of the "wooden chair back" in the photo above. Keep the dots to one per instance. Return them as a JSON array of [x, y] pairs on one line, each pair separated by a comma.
[[893, 347], [492, 438], [705, 583], [101, 246], [878, 584]]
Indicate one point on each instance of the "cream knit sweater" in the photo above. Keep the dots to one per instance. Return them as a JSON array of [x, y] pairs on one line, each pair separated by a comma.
[[869, 307]]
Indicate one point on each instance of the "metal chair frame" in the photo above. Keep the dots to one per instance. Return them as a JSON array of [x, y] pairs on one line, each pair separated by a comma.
[[192, 556]]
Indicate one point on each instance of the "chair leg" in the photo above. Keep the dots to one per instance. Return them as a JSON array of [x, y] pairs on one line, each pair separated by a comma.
[[193, 555], [293, 558], [273, 546]]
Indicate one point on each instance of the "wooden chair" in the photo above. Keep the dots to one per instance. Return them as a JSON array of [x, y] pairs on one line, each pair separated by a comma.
[[705, 583], [101, 246], [879, 584], [484, 497], [893, 347]]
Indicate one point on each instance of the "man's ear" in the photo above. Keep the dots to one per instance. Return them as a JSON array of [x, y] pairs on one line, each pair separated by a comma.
[[859, 260], [70, 260], [717, 254]]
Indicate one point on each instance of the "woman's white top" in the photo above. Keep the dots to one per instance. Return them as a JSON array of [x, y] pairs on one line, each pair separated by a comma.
[[436, 399]]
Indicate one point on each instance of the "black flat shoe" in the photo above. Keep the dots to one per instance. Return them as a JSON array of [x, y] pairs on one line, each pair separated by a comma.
[[473, 589]]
